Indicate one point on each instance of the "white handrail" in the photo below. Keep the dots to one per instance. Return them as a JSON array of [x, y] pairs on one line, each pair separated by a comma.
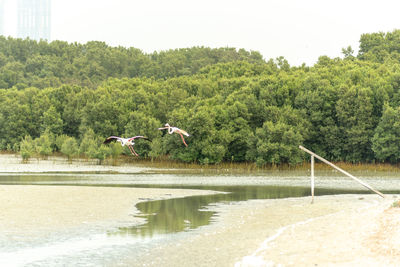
[[312, 178], [337, 168]]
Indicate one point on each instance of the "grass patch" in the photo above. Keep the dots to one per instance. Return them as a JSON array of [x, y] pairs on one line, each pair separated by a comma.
[[165, 162], [248, 167]]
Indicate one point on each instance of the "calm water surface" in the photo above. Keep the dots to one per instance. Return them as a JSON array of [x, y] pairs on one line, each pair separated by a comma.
[[166, 220], [175, 215]]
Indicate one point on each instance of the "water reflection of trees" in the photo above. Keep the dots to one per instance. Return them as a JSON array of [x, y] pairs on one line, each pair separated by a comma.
[[173, 215], [181, 214]]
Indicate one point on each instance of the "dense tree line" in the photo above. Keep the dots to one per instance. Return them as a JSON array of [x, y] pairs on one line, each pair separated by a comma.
[[236, 106], [27, 63]]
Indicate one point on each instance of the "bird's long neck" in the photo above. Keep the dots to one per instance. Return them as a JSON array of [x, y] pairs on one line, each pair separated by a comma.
[[170, 130]]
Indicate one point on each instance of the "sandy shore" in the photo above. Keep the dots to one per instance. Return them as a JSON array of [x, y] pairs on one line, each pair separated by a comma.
[[33, 210], [346, 230], [12, 163], [335, 231]]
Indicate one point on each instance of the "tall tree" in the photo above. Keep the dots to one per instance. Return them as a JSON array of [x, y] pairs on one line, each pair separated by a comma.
[[386, 139]]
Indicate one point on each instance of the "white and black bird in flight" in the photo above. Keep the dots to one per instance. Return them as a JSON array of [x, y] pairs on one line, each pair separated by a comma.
[[172, 130], [126, 141]]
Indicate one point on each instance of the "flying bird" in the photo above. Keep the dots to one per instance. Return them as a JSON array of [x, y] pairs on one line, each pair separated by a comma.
[[172, 130], [126, 141]]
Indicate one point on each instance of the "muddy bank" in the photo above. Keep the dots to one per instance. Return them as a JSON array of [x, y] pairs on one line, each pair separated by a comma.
[[33, 210], [340, 230], [345, 230], [12, 163]]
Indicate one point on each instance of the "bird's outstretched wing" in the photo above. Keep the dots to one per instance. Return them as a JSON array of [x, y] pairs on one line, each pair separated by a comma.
[[110, 139], [139, 136]]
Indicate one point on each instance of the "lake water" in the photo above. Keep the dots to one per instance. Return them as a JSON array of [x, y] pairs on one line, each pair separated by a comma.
[[166, 220]]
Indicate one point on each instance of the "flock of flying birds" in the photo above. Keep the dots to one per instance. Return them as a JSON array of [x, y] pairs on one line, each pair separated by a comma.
[[130, 141]]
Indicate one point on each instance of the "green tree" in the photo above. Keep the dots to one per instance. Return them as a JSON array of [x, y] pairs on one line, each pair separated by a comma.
[[99, 152], [318, 103], [276, 143], [236, 105], [356, 122], [386, 139], [70, 147], [26, 148], [348, 52], [89, 139], [52, 121], [44, 144], [115, 151], [59, 141]]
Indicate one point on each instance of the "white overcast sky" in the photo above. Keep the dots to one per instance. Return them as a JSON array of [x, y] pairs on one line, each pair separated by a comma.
[[299, 30]]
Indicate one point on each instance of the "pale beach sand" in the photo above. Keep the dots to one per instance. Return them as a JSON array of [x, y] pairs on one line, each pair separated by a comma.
[[34, 209], [38, 222], [12, 163], [345, 230]]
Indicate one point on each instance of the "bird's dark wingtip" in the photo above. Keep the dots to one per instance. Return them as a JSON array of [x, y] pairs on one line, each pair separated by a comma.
[[108, 140]]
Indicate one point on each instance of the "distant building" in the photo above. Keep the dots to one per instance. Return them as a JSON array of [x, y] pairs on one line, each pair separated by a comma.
[[2, 20], [34, 19]]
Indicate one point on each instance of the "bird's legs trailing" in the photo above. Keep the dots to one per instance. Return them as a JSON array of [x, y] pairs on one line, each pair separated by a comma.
[[132, 150], [183, 140]]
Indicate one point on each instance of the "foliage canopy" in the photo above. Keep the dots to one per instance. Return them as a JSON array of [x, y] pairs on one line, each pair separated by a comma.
[[236, 105]]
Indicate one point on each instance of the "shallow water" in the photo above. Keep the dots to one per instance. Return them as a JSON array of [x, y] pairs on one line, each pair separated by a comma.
[[166, 220], [182, 214]]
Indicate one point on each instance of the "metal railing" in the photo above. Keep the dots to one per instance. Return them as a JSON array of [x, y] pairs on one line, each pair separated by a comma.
[[335, 167]]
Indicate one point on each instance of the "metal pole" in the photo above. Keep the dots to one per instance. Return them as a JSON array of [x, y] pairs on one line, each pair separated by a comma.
[[342, 171], [312, 179]]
